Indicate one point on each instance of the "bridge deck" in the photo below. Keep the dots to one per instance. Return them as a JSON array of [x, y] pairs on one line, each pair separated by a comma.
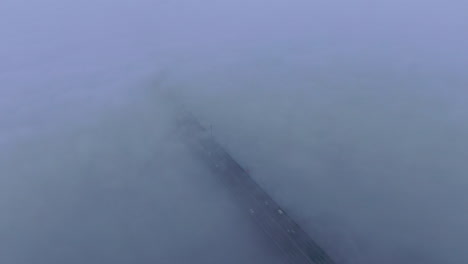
[[296, 245]]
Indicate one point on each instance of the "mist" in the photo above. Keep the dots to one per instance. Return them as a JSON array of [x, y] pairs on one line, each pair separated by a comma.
[[352, 115]]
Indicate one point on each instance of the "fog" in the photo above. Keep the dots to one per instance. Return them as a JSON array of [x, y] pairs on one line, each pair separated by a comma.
[[352, 115]]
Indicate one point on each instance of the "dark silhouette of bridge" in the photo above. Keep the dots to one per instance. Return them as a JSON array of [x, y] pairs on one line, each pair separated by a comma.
[[294, 243]]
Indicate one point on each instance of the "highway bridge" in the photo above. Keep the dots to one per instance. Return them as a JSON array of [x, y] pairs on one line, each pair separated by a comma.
[[295, 244]]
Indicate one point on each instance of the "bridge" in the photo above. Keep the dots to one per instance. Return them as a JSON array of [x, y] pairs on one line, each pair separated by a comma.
[[293, 242]]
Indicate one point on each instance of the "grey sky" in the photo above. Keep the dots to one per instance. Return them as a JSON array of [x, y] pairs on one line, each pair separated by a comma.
[[351, 113]]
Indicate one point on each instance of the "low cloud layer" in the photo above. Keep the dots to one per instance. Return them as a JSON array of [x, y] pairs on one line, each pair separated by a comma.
[[351, 114]]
